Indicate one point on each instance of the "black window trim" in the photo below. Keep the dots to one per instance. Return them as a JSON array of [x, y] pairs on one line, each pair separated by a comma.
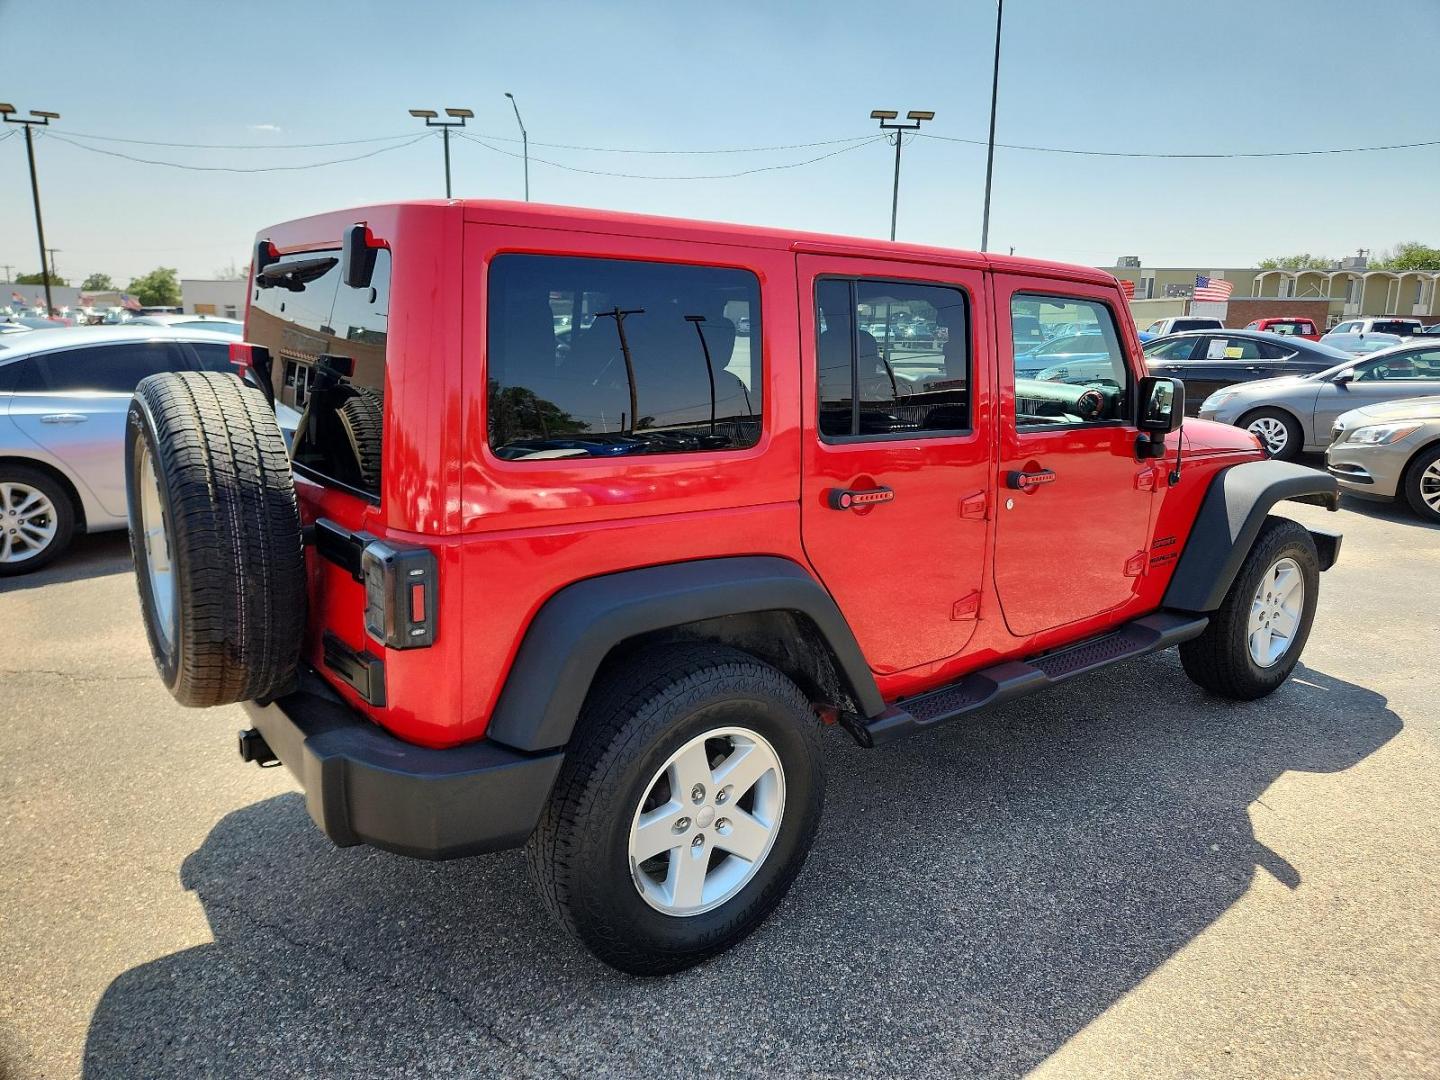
[[852, 280], [1127, 420]]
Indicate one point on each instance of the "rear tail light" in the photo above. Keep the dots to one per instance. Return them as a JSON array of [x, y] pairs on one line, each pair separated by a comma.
[[400, 594]]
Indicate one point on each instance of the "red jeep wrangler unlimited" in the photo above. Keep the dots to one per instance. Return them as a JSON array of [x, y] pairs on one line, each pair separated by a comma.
[[589, 521]]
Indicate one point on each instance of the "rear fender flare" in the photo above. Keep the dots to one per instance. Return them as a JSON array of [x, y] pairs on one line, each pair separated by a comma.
[[1230, 517], [576, 629]]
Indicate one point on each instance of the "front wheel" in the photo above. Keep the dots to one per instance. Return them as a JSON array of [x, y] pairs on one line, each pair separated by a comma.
[[1422, 484], [1278, 432], [1255, 638], [684, 809]]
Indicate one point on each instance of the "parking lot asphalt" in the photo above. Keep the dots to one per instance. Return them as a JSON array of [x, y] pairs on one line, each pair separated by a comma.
[[1121, 877]]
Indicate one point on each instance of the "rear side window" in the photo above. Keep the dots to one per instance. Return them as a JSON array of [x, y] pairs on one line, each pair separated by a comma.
[[211, 356], [610, 357], [894, 358], [1170, 349], [100, 369]]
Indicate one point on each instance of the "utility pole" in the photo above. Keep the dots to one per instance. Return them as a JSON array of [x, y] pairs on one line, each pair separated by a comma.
[[990, 146], [524, 142], [9, 271], [42, 120], [885, 116], [52, 262], [429, 116]]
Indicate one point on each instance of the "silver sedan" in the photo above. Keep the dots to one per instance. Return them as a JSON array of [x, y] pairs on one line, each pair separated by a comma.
[[1296, 413], [64, 395], [1390, 451]]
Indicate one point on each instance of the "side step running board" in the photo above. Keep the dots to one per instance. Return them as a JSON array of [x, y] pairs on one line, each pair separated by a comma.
[[1016, 678]]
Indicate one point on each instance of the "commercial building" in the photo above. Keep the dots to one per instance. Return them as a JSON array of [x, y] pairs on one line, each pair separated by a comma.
[[1347, 289]]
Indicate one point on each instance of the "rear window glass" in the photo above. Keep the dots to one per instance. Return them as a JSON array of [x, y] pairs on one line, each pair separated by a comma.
[[608, 357], [301, 310], [1391, 326]]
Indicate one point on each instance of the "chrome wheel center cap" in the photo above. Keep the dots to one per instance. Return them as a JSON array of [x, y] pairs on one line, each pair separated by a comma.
[[705, 817]]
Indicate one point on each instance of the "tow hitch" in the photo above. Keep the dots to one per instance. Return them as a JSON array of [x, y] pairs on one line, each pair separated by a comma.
[[253, 747]]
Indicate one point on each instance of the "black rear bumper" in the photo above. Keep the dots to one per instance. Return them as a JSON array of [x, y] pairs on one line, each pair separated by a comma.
[[364, 786]]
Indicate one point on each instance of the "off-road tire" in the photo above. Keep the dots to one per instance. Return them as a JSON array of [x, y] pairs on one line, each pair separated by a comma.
[[232, 524], [1219, 659], [64, 517], [639, 713], [1414, 473], [360, 417], [1294, 437]]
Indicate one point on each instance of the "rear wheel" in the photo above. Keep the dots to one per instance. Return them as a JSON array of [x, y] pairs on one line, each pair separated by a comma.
[[1277, 430], [215, 534], [1422, 484], [37, 519], [684, 809], [1255, 638]]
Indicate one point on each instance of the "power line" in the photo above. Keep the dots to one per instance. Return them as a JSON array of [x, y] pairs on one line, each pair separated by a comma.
[[1137, 154], [231, 169], [239, 146], [708, 176]]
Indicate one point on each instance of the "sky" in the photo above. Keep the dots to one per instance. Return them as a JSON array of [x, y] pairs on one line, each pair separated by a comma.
[[1155, 76]]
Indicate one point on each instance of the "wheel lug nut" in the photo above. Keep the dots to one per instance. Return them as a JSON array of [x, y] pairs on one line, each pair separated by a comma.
[[697, 793], [681, 824], [722, 796], [722, 824], [698, 842]]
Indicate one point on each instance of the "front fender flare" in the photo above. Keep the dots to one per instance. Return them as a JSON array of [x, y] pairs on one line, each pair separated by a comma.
[[1230, 517], [577, 627]]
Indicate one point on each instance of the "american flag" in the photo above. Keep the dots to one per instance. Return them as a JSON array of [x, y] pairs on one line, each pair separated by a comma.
[[129, 302], [1207, 288]]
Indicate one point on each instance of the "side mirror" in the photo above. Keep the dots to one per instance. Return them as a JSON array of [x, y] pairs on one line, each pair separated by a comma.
[[1162, 405], [1341, 378]]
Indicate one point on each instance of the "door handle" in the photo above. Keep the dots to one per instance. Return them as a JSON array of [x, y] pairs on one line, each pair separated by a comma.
[[64, 418], [857, 498], [1252, 368], [1029, 481]]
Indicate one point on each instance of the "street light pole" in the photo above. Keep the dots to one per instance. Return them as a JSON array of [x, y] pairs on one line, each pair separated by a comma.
[[885, 116], [990, 146], [429, 116], [524, 142], [44, 118]]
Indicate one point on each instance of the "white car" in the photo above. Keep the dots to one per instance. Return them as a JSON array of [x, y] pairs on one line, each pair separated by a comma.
[[213, 323], [64, 396], [1176, 323]]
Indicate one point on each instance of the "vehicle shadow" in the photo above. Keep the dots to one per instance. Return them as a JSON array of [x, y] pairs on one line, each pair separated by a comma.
[[1397, 512], [91, 555], [977, 896]]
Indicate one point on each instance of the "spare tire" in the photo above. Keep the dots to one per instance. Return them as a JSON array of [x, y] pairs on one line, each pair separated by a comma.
[[215, 532], [361, 418]]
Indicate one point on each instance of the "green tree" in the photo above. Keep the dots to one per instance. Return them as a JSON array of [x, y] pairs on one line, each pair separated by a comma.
[[98, 283], [159, 288], [38, 279], [1408, 256], [1296, 262]]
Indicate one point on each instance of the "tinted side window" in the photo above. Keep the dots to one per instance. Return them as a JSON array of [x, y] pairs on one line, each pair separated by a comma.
[[110, 369], [1230, 348], [1088, 384], [1175, 349], [607, 357], [894, 358], [212, 356]]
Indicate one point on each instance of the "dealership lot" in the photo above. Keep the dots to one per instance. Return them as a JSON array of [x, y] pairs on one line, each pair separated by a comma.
[[1120, 877]]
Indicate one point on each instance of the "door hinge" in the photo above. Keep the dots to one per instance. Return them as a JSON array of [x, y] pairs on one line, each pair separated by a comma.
[[1145, 479], [973, 506], [1135, 565], [966, 608]]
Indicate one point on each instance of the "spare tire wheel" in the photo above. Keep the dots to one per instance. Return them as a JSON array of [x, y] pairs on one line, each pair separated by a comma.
[[215, 533], [361, 417]]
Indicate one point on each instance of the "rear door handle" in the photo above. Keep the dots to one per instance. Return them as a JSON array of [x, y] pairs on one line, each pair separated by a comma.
[[1029, 481], [857, 498], [64, 418]]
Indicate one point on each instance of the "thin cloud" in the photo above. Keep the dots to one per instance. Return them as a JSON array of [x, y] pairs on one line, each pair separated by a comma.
[[264, 127]]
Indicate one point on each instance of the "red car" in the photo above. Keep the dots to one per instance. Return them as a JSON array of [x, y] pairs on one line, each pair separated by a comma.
[[1287, 326], [558, 557]]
